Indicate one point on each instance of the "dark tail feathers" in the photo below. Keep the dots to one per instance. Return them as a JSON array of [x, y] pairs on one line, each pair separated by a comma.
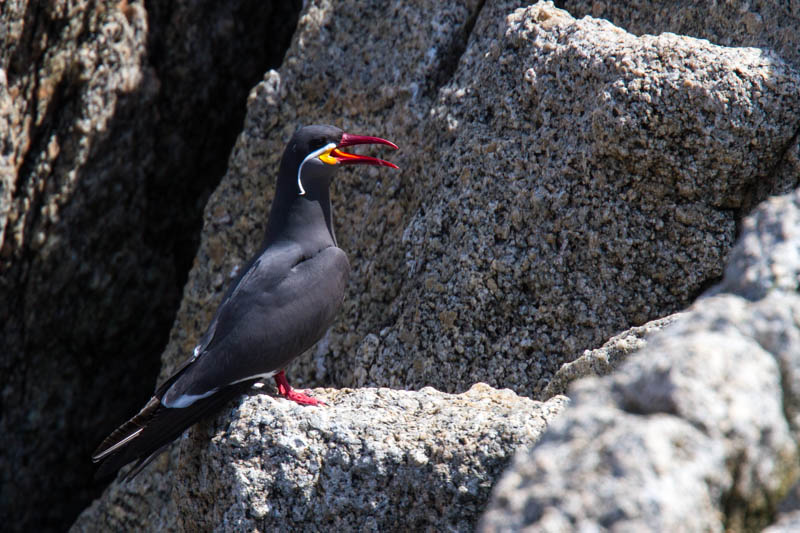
[[150, 432]]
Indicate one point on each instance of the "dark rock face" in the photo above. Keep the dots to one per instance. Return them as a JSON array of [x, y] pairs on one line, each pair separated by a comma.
[[115, 125]]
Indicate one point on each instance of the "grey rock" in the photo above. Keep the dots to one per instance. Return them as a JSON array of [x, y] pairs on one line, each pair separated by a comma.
[[770, 26], [395, 60], [604, 360], [562, 181], [757, 23], [599, 182], [726, 372], [144, 504], [396, 56], [372, 460], [613, 477]]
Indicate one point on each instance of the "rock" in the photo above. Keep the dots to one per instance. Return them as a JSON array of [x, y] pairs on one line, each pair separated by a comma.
[[614, 477], [605, 359], [373, 460], [368, 71], [699, 429], [562, 181], [342, 68], [762, 24], [104, 108], [76, 273], [599, 181], [757, 23]]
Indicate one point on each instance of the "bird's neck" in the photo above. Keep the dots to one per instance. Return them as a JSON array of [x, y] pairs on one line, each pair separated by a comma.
[[304, 219]]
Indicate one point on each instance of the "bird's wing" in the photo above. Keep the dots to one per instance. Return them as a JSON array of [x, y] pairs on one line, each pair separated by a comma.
[[266, 269], [267, 319], [265, 323]]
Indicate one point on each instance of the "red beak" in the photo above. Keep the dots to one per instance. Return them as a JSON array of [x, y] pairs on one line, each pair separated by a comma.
[[345, 158]]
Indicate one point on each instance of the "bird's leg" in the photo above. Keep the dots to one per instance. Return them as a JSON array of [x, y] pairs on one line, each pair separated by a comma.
[[286, 390]]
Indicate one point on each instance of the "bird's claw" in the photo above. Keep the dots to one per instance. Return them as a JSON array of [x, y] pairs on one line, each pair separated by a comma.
[[302, 399], [286, 390]]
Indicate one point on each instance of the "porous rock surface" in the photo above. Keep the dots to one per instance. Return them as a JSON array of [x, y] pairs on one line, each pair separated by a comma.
[[699, 430], [568, 180], [371, 460], [760, 23], [770, 26], [604, 360], [395, 61], [562, 180]]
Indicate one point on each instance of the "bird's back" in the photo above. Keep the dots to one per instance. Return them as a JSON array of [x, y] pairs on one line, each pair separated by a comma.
[[268, 320]]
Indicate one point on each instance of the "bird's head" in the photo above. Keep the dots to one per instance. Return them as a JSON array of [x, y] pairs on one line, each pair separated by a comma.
[[315, 152]]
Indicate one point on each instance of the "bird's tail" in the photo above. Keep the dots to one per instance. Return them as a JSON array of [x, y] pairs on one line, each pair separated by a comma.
[[146, 435]]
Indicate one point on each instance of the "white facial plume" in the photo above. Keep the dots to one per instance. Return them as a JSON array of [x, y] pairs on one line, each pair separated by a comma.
[[312, 155]]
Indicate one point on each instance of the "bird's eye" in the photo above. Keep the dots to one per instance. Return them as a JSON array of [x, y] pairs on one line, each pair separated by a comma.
[[316, 144]]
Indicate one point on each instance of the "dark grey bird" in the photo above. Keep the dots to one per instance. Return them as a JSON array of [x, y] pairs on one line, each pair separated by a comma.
[[282, 303]]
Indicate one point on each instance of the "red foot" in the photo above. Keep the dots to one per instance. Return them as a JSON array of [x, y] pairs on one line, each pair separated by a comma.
[[286, 390]]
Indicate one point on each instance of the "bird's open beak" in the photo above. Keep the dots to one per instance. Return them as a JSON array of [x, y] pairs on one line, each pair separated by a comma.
[[344, 158]]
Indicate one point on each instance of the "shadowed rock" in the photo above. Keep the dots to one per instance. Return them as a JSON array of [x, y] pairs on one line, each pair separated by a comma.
[[115, 125]]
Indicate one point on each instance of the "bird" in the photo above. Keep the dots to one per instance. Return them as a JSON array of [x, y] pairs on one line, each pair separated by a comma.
[[281, 304]]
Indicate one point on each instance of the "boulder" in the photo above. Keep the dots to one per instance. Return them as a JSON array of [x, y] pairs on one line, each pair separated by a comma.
[[758, 23], [767, 25], [565, 182], [584, 180], [696, 431], [562, 181], [371, 460]]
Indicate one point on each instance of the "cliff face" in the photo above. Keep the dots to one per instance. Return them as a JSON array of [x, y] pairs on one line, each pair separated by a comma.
[[115, 125], [563, 180]]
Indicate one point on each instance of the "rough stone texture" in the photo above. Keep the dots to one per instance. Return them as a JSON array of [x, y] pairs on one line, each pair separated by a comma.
[[697, 431], [373, 460], [758, 23], [599, 178], [104, 108], [562, 181], [370, 70], [144, 504], [615, 482], [345, 70], [598, 182], [605, 359]]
